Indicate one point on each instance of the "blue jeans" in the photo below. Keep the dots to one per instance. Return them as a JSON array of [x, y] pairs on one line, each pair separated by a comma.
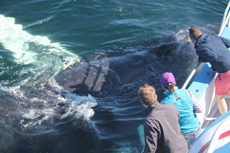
[[191, 137]]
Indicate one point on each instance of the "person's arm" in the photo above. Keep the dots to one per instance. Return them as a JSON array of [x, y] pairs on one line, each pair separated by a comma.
[[206, 55], [151, 137], [201, 59], [196, 104], [226, 42]]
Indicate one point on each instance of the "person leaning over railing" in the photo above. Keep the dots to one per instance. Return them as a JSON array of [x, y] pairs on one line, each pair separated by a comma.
[[214, 49], [161, 127], [186, 104]]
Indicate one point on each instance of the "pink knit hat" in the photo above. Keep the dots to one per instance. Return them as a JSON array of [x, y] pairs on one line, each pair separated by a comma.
[[167, 78]]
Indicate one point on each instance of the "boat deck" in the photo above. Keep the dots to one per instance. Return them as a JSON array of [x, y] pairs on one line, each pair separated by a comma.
[[214, 114]]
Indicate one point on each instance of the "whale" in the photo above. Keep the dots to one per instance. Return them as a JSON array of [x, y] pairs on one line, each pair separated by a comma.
[[102, 76], [39, 132]]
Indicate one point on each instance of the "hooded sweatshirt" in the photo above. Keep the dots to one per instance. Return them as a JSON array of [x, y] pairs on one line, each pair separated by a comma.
[[214, 49]]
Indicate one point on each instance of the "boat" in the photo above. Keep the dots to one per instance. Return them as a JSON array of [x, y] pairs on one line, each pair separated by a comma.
[[215, 129], [215, 135]]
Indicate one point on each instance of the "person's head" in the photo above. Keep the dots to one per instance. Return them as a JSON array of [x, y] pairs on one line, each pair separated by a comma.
[[167, 80], [194, 33], [147, 95]]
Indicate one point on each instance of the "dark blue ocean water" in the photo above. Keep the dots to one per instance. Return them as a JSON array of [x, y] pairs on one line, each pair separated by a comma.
[[40, 38]]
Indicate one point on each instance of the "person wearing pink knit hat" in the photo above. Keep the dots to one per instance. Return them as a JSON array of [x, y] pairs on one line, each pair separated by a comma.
[[186, 104]]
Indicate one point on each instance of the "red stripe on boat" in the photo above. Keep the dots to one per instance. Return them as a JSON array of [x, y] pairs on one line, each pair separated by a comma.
[[223, 135]]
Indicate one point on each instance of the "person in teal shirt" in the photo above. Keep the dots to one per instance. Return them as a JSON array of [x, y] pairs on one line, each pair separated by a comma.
[[186, 104]]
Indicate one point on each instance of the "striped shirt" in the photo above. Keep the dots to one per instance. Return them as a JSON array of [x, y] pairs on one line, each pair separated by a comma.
[[196, 105]]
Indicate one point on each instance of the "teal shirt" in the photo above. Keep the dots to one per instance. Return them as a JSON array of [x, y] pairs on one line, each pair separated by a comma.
[[188, 119]]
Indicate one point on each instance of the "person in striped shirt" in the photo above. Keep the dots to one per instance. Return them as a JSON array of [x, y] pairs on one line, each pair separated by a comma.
[[186, 104]]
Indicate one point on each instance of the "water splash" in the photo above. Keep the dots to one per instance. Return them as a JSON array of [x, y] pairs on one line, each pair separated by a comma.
[[28, 86], [28, 49]]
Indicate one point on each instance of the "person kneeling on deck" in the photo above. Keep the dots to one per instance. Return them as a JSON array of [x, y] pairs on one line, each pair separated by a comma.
[[161, 128], [214, 49], [186, 104]]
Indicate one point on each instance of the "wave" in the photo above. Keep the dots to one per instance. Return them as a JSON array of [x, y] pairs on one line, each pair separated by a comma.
[[27, 48], [32, 103]]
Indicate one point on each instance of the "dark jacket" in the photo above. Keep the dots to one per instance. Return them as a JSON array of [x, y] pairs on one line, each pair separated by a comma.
[[214, 49], [162, 130]]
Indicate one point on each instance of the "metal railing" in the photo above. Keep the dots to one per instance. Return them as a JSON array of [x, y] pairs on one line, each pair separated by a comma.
[[225, 20], [222, 126]]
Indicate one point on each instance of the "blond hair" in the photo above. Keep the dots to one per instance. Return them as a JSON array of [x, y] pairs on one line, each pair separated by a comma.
[[147, 94]]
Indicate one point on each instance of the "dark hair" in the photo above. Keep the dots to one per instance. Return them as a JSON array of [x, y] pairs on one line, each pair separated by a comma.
[[171, 88], [194, 32]]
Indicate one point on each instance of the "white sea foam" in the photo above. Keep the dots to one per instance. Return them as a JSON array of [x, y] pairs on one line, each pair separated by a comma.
[[26, 47], [36, 90], [182, 35]]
